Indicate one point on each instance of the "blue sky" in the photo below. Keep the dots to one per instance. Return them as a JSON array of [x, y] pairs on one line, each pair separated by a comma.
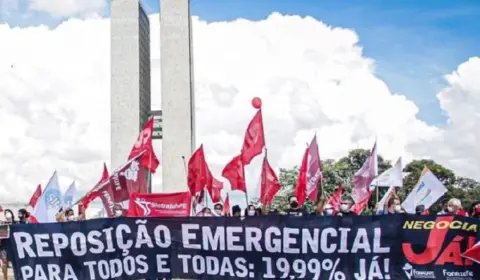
[[414, 43]]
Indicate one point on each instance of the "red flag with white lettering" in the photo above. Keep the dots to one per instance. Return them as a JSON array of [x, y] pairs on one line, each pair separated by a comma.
[[144, 145], [159, 204]]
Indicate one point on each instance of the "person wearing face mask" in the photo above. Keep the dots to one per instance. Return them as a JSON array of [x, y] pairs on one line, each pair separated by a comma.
[[118, 211], [444, 210], [328, 210], [392, 207], [206, 212], [23, 216], [250, 211], [454, 207], [218, 209], [345, 208], [295, 209]]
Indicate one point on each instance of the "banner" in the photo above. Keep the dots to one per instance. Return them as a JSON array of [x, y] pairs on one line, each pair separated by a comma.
[[273, 247], [159, 204]]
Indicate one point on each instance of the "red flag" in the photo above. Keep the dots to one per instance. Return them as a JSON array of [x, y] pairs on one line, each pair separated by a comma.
[[90, 196], [473, 253], [159, 204], [1, 208], [214, 188], [301, 186], [364, 177], [254, 139], [358, 207], [336, 198], [270, 184], [235, 174], [144, 145], [36, 195], [198, 176], [314, 170], [128, 179], [226, 206]]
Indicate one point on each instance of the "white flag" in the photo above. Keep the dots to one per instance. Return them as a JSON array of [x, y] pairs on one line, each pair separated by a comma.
[[426, 192], [70, 196], [383, 201], [390, 177], [49, 203]]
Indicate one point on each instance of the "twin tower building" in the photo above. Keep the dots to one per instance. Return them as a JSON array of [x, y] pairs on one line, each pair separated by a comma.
[[131, 84]]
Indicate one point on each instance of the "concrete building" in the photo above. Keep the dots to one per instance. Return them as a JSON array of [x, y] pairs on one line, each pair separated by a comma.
[[130, 76], [130, 101]]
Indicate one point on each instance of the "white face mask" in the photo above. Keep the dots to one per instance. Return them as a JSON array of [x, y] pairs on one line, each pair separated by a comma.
[[329, 212], [218, 212], [344, 207], [398, 208], [251, 212], [449, 209], [8, 216], [70, 218], [118, 213]]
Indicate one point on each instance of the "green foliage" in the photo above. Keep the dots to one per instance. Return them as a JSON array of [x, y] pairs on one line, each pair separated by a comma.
[[340, 172]]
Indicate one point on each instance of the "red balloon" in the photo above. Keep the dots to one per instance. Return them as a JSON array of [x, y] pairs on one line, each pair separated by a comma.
[[256, 102]]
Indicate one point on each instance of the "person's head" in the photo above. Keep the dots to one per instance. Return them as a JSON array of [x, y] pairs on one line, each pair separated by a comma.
[[258, 211], [345, 205], [293, 201], [117, 210], [9, 215], [218, 209], [328, 210], [453, 205], [394, 205], [69, 215], [445, 204], [475, 210], [23, 214], [236, 211], [420, 210], [206, 212], [250, 211]]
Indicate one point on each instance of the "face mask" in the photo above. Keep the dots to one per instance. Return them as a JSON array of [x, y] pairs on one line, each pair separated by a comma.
[[8, 216], [398, 208], [449, 209], [218, 212], [294, 204], [329, 212], [344, 207], [20, 216], [70, 218], [251, 212], [118, 213]]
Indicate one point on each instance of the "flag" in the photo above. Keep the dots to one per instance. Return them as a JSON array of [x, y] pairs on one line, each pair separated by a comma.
[[197, 176], [49, 202], [93, 193], [143, 146], [383, 201], [336, 198], [69, 196], [310, 174], [128, 179], [226, 206], [314, 170], [364, 177], [159, 204], [358, 207], [234, 172], [426, 192], [214, 188], [301, 186], [390, 177], [473, 253], [254, 140], [35, 196], [270, 184]]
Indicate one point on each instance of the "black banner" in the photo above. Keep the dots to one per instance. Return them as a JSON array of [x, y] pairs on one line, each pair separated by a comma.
[[273, 247]]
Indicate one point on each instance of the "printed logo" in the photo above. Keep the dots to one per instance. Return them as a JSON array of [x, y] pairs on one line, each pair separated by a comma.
[[131, 173], [422, 193], [52, 198], [413, 273], [458, 275], [147, 206]]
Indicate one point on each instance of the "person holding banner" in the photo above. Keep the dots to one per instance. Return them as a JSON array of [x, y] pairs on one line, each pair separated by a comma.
[[345, 208], [218, 209], [295, 209], [251, 211]]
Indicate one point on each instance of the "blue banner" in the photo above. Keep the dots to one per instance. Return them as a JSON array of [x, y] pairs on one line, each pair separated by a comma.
[[273, 247]]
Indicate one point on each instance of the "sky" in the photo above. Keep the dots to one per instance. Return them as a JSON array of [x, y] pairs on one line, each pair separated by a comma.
[[402, 71]]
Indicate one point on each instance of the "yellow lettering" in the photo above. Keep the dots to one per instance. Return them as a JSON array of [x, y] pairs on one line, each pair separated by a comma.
[[418, 225], [429, 225]]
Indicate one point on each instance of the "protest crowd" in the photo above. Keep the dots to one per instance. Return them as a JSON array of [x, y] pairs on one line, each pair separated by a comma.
[[336, 241]]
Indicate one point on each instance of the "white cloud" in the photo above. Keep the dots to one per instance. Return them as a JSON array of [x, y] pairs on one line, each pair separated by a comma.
[[55, 85], [66, 8]]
